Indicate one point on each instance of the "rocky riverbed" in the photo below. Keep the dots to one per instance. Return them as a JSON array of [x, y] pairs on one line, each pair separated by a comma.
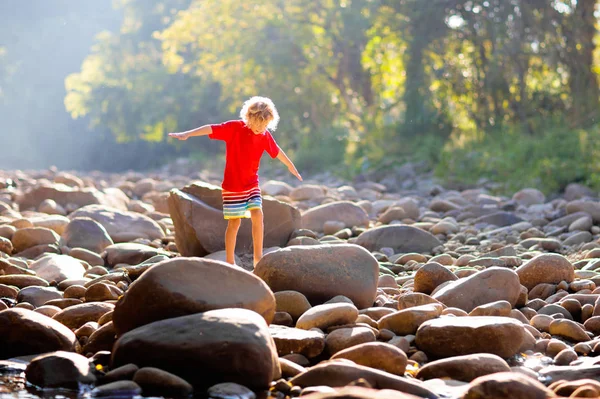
[[115, 285]]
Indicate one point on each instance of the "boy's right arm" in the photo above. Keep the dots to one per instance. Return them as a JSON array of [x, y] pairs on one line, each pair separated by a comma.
[[201, 131]]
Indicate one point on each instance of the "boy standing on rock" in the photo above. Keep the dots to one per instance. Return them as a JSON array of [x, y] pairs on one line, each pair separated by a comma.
[[245, 140]]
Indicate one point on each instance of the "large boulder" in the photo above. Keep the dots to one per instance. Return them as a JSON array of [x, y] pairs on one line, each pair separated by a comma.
[[345, 212], [227, 345], [183, 286], [401, 238], [489, 285], [197, 213], [65, 195], [53, 267], [456, 336], [122, 226], [84, 232], [24, 332], [546, 268], [321, 272]]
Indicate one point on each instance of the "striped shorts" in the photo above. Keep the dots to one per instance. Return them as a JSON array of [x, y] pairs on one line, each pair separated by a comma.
[[237, 204]]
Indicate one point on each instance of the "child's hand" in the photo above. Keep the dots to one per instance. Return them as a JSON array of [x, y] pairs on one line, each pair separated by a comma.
[[179, 136], [295, 173]]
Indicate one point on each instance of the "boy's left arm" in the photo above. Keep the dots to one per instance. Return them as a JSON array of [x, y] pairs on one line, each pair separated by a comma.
[[287, 162]]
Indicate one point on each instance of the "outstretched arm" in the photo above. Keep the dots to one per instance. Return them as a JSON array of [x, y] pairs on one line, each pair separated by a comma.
[[201, 131], [287, 162]]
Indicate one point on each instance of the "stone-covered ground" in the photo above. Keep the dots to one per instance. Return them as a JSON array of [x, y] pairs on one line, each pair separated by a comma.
[[114, 284]]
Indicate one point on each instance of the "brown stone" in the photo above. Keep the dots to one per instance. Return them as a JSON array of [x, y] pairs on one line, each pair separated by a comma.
[[456, 336], [377, 355], [546, 268], [407, 321], [321, 272], [346, 212], [24, 332], [157, 382], [401, 238], [430, 275], [339, 374], [77, 315], [219, 342], [122, 226], [292, 302], [344, 338], [29, 237], [22, 281], [182, 286], [489, 285], [507, 386], [295, 340], [197, 215], [85, 232], [463, 368]]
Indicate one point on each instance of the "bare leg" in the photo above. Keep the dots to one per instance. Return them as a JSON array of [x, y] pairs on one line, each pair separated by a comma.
[[233, 226], [257, 233]]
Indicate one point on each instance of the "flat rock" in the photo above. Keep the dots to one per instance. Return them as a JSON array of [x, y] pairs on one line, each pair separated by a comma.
[[122, 226], [592, 208], [38, 296], [130, 253], [401, 238], [294, 340], [456, 336], [30, 237], [345, 212], [407, 321], [500, 219], [377, 355], [338, 374], [489, 285], [327, 315], [507, 386], [77, 315], [53, 267], [65, 195], [463, 368]]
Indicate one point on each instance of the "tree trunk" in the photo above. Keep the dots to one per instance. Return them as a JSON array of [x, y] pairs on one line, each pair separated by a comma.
[[583, 82]]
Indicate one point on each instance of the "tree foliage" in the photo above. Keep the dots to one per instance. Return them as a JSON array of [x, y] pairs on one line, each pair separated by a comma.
[[375, 79]]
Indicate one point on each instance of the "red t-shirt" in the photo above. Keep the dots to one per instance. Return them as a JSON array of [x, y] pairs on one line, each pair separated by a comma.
[[243, 152]]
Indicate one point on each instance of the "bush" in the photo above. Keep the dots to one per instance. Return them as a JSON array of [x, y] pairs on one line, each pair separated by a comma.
[[549, 160]]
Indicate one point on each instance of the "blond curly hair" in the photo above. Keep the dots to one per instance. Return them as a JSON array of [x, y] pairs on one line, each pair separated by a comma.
[[260, 114]]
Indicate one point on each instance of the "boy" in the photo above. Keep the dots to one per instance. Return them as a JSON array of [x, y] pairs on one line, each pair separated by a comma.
[[246, 140]]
